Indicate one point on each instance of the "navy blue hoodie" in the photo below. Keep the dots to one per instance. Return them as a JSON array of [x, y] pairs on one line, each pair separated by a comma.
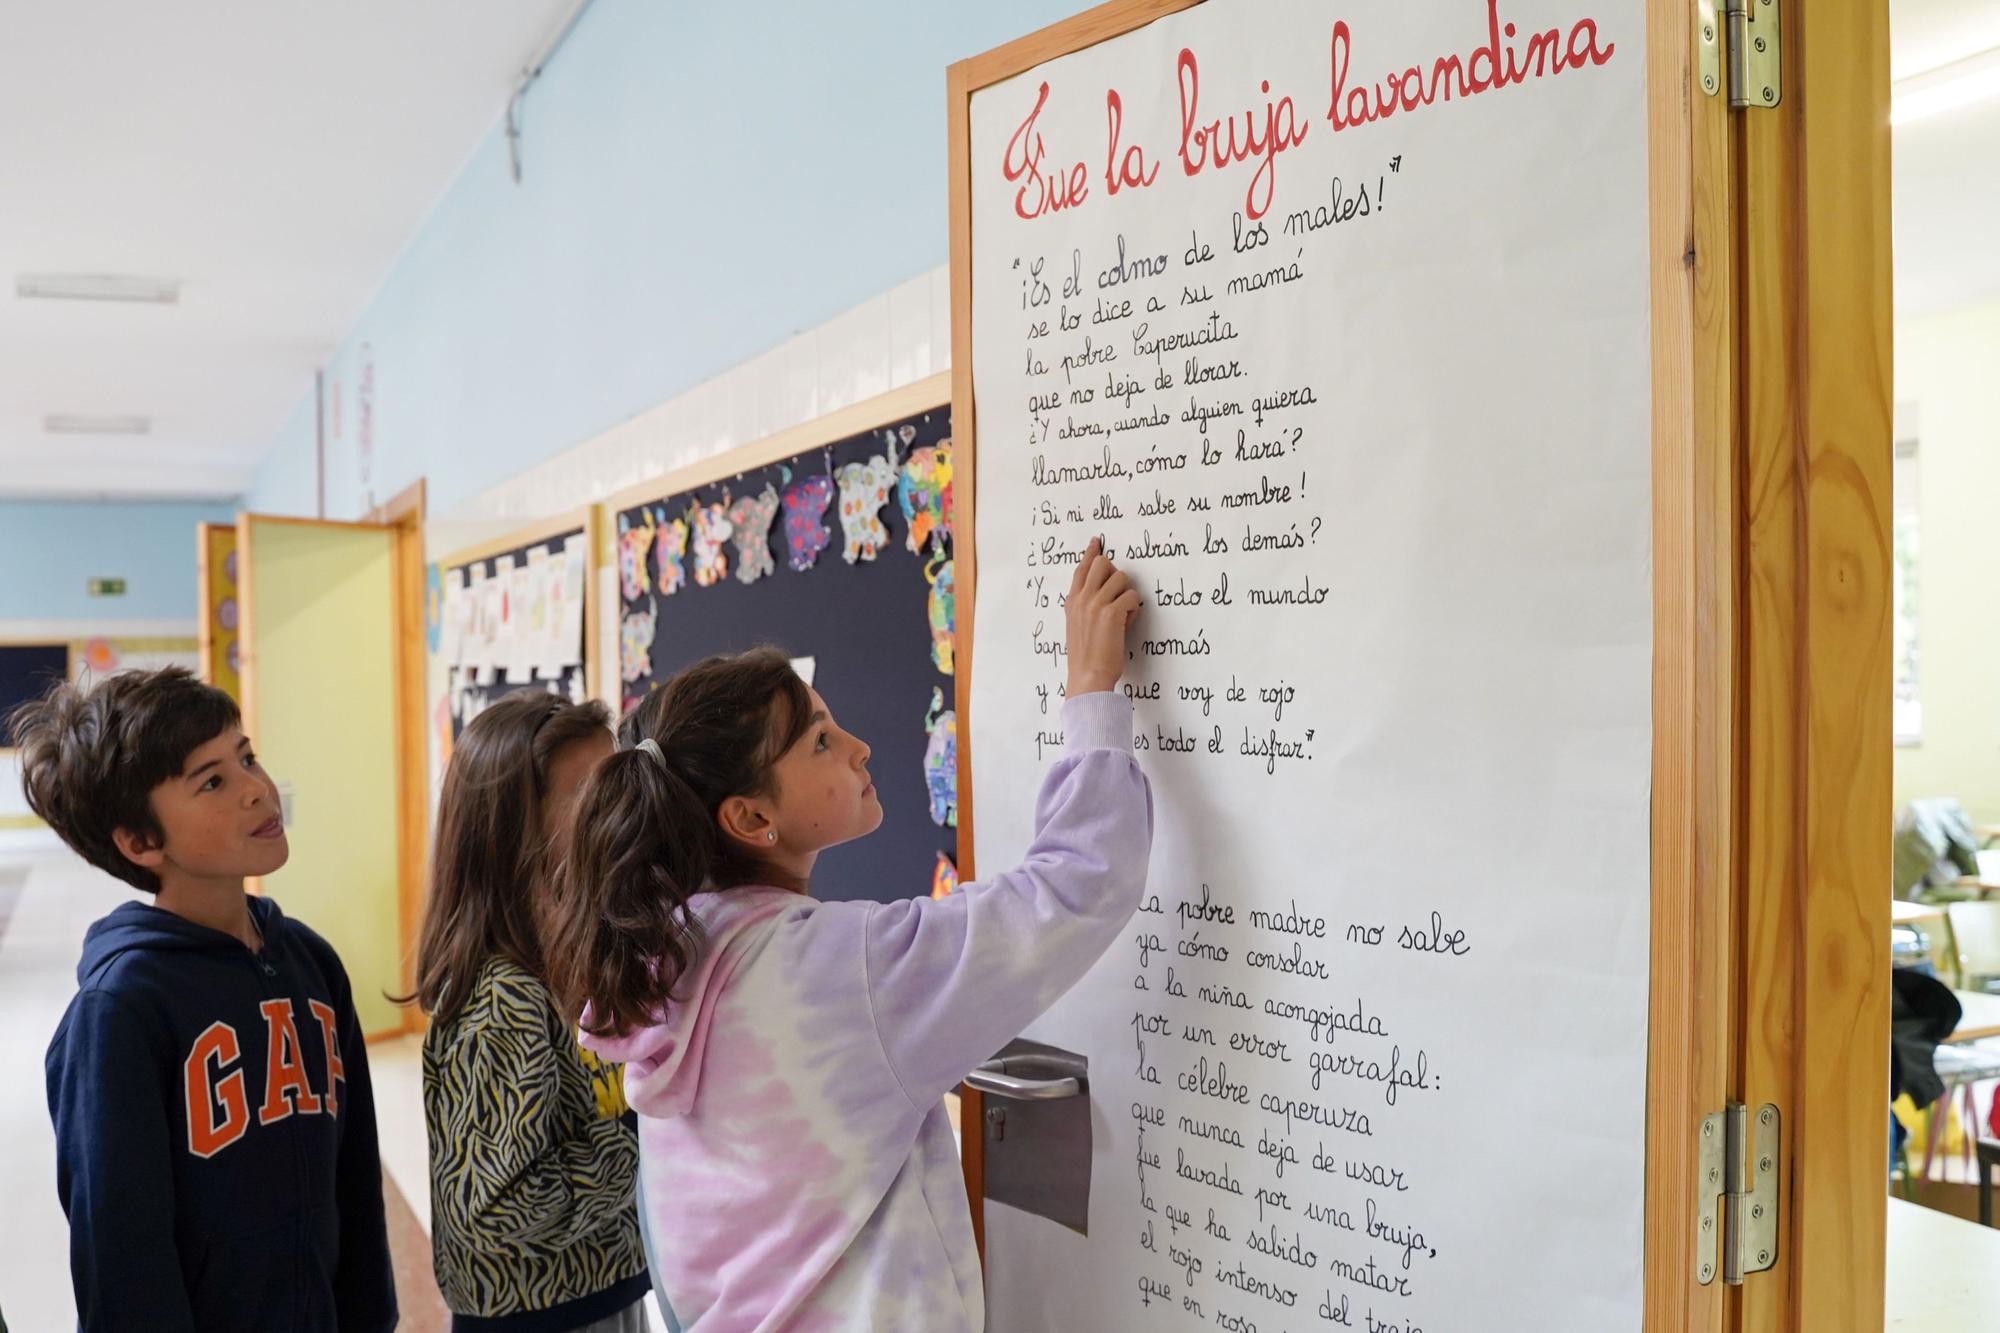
[[215, 1133]]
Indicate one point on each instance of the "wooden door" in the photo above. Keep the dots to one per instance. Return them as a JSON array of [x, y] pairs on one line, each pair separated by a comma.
[[320, 630], [1813, 423], [221, 607]]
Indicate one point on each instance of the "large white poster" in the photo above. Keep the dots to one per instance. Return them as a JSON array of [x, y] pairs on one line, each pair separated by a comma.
[[1333, 321]]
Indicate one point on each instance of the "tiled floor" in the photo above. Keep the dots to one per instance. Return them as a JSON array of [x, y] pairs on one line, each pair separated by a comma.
[[58, 897]]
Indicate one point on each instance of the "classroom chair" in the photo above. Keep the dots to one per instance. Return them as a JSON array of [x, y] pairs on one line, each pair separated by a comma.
[[1975, 929], [1988, 1157]]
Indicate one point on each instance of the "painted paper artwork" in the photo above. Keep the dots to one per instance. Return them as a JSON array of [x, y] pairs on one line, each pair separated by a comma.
[[634, 539], [806, 534], [864, 490], [711, 529], [635, 644], [752, 517], [941, 761], [670, 546], [944, 878], [923, 491], [943, 609]]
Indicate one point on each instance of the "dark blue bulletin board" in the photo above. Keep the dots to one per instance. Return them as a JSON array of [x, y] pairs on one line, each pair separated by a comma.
[[468, 697], [867, 624], [26, 672]]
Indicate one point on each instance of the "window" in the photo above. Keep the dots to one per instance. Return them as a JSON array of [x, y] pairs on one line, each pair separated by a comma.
[[1906, 602]]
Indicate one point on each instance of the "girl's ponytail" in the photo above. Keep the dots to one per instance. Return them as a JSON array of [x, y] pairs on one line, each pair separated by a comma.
[[642, 844], [645, 838]]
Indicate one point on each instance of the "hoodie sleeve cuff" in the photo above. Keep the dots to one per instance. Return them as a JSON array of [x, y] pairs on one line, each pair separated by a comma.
[[1101, 721]]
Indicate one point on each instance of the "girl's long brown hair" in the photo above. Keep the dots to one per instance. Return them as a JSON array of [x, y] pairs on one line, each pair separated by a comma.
[[645, 837], [491, 875]]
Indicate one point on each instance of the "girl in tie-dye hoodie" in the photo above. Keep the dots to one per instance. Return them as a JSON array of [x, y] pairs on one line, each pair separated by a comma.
[[787, 1057]]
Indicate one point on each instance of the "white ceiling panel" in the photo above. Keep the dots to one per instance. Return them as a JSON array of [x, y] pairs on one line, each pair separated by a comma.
[[274, 158]]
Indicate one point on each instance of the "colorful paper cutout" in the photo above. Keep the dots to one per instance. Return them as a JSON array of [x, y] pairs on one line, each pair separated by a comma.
[[433, 607], [100, 657], [711, 529], [864, 490], [944, 877], [941, 761], [752, 517], [633, 542], [923, 492], [670, 545], [943, 608], [806, 535], [635, 644]]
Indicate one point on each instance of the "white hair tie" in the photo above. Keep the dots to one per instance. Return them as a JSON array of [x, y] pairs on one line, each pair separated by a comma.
[[652, 747]]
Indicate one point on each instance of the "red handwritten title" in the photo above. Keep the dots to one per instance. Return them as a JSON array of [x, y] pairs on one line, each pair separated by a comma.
[[1209, 143]]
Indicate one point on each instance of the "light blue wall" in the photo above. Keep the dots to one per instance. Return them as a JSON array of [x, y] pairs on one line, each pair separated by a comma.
[[287, 481], [50, 549], [702, 182]]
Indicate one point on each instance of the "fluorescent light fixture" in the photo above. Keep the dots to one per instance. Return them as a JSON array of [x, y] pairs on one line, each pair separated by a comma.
[[84, 423], [97, 287], [1946, 88]]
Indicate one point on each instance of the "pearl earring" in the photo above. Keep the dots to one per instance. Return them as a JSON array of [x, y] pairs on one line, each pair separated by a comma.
[[772, 836]]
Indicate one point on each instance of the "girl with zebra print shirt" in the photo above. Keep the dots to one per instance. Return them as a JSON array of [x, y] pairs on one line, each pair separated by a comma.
[[533, 1224]]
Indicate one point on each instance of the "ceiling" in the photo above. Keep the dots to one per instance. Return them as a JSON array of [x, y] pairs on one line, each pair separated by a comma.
[[275, 158], [1946, 169], [272, 157]]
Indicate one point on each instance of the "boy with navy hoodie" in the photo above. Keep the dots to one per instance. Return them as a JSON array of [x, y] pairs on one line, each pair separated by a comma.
[[215, 1133]]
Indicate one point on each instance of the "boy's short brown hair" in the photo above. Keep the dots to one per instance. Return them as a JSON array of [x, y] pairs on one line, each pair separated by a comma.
[[90, 758]]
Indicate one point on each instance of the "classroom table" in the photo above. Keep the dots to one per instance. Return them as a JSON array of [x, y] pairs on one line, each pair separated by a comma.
[[1943, 1273], [1980, 1017], [1905, 913], [1987, 880]]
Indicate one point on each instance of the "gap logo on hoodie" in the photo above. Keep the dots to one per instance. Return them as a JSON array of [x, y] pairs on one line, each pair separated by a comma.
[[218, 1111]]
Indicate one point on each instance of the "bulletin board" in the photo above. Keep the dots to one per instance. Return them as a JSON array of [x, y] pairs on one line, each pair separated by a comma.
[[27, 670], [827, 562], [221, 611], [518, 613], [1355, 372]]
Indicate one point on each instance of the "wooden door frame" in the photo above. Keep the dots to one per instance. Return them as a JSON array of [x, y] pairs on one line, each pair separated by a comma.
[[1695, 561], [404, 514], [1695, 550], [204, 577]]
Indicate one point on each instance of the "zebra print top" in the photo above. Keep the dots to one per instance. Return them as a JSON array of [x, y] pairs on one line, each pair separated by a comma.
[[532, 1167]]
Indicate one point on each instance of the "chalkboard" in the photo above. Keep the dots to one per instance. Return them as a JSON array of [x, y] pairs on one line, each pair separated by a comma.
[[866, 625], [1334, 322], [471, 691], [26, 672]]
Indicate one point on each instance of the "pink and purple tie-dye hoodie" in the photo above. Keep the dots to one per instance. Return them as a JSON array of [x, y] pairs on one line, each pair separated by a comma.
[[797, 1168]]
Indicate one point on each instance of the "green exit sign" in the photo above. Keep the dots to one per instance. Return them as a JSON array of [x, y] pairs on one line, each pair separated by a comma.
[[107, 587]]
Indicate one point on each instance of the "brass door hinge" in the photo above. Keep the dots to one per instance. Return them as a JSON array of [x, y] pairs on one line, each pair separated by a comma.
[[1737, 1180], [1748, 32]]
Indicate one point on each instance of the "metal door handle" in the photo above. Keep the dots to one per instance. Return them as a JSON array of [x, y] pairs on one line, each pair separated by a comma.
[[992, 1076]]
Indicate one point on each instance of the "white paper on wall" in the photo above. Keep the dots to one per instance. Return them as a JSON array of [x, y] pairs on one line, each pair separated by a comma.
[[451, 619], [506, 627], [1333, 321], [483, 597], [537, 634], [574, 564]]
